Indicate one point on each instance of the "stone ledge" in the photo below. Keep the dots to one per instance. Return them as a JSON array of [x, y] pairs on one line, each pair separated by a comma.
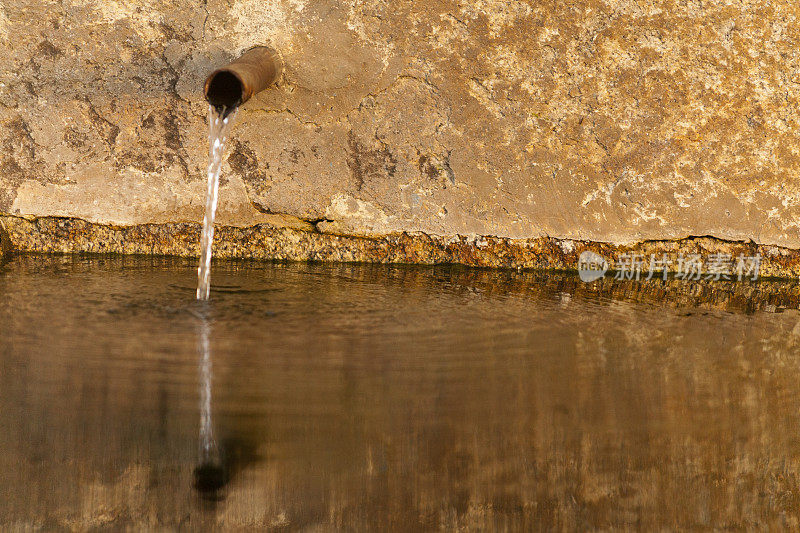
[[5, 242], [265, 242]]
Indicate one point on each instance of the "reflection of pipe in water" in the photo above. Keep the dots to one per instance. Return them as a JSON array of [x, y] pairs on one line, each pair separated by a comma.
[[211, 474], [234, 84]]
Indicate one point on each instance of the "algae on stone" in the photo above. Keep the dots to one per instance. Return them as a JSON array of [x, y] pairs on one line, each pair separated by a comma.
[[271, 242]]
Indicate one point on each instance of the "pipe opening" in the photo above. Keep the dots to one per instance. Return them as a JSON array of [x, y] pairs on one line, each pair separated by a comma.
[[224, 90]]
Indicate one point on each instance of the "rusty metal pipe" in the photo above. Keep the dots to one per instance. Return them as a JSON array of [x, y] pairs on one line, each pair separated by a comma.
[[234, 84]]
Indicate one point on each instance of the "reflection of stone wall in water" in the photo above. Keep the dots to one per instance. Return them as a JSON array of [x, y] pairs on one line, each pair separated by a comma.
[[583, 431], [599, 120]]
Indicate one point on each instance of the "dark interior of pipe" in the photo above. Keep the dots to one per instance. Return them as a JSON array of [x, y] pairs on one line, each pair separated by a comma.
[[224, 90]]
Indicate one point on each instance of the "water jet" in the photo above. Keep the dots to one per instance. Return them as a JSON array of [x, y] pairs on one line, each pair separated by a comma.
[[226, 89]]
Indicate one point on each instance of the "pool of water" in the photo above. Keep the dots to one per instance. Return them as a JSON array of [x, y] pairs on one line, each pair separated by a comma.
[[412, 398]]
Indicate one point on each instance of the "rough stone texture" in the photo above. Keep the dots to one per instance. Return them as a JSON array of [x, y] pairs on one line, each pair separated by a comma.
[[596, 120], [269, 242], [5, 241]]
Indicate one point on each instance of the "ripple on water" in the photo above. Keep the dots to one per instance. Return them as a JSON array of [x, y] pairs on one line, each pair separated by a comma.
[[354, 396]]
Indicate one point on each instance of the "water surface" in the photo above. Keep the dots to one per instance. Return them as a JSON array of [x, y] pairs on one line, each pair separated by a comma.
[[409, 398]]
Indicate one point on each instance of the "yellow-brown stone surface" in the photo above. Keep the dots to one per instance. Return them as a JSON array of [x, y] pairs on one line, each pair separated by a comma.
[[274, 242], [614, 121]]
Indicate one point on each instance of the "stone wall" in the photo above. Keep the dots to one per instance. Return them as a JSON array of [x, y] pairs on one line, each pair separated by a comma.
[[615, 121]]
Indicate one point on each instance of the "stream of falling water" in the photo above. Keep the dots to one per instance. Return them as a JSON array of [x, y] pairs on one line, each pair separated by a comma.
[[219, 122], [209, 474]]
